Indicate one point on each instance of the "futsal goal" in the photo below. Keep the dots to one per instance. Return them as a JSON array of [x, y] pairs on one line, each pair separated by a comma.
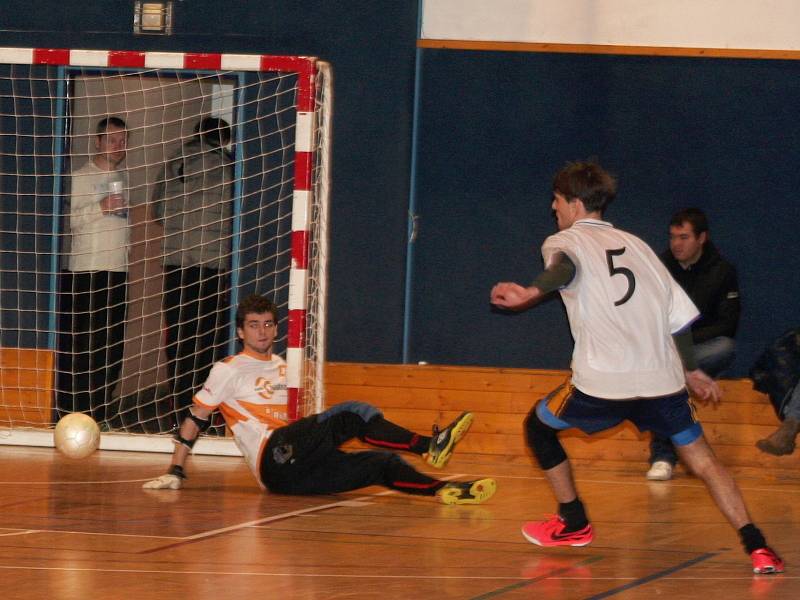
[[223, 180]]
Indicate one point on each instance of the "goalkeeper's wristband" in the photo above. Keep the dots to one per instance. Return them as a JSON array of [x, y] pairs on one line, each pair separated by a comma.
[[176, 470]]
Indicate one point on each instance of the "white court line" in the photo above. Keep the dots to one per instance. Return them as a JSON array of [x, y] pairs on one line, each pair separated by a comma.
[[70, 532], [21, 532], [666, 484], [362, 501], [294, 513], [357, 502], [87, 482], [206, 573], [671, 483], [213, 532]]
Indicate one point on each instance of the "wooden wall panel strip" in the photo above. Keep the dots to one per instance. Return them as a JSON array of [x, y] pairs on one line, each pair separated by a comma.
[[26, 386], [542, 47], [417, 396]]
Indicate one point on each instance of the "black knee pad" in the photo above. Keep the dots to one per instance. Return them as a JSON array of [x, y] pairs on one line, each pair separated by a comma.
[[543, 442]]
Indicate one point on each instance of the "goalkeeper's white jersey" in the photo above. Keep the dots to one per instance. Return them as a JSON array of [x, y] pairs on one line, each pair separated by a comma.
[[250, 392], [623, 306]]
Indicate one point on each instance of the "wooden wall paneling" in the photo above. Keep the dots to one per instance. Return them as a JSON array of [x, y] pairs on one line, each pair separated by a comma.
[[416, 396]]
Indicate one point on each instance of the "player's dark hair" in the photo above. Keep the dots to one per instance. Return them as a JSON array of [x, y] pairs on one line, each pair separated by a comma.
[[254, 304], [694, 216], [214, 131], [588, 182], [104, 124]]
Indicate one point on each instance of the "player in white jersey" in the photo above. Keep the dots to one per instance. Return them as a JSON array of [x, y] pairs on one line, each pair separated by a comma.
[[632, 360], [304, 457]]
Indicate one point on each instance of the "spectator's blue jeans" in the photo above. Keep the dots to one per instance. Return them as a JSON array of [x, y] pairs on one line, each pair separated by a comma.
[[713, 357], [792, 408]]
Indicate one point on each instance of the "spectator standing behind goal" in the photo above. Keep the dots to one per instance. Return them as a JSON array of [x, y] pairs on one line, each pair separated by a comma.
[[632, 360], [710, 281], [93, 287], [193, 201], [304, 457]]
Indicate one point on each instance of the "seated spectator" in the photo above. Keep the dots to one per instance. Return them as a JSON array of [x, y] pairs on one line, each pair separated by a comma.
[[777, 373], [782, 440], [711, 283]]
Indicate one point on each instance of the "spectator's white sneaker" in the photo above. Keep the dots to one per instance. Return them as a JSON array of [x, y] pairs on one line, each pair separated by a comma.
[[660, 470]]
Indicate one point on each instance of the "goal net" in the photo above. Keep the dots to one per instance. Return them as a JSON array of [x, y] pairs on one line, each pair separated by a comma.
[[144, 194]]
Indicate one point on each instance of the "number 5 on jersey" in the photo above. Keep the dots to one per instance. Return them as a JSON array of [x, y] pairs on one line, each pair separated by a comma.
[[612, 270]]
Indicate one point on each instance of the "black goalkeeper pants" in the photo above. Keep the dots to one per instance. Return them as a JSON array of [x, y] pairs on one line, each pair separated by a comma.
[[304, 457]]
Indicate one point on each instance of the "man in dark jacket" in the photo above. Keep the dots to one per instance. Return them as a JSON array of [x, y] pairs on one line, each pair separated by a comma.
[[711, 283], [193, 202]]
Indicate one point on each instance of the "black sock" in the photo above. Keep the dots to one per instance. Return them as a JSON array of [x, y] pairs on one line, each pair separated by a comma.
[[573, 514], [752, 538], [420, 444]]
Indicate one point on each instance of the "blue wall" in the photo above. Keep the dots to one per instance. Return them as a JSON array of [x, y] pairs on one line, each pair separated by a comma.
[[720, 134]]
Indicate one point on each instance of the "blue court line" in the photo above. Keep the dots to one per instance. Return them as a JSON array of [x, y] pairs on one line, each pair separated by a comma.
[[654, 576], [527, 582]]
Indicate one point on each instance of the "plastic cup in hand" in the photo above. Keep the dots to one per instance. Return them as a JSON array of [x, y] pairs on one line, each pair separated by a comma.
[[115, 188]]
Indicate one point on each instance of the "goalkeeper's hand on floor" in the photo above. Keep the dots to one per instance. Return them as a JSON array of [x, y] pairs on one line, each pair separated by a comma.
[[172, 480]]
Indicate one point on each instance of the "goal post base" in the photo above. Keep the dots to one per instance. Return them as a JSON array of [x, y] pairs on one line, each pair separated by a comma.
[[122, 441]]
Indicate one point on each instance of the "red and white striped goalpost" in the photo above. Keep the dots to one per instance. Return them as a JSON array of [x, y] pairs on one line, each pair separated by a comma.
[[311, 180]]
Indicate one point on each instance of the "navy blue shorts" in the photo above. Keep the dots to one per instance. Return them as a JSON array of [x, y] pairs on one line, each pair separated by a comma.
[[668, 416]]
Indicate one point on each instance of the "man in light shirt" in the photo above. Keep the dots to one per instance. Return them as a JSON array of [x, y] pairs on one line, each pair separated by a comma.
[[633, 358], [304, 457], [93, 285]]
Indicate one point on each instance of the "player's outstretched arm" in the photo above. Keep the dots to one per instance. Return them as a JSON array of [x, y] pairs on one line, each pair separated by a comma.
[[559, 272], [187, 435]]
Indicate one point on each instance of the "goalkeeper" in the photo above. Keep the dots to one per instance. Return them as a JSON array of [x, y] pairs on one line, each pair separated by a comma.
[[304, 457]]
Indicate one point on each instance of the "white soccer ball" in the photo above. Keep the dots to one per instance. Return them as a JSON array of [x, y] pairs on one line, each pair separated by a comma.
[[77, 435]]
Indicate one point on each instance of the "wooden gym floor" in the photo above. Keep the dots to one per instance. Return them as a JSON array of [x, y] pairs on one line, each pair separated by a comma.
[[86, 529]]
